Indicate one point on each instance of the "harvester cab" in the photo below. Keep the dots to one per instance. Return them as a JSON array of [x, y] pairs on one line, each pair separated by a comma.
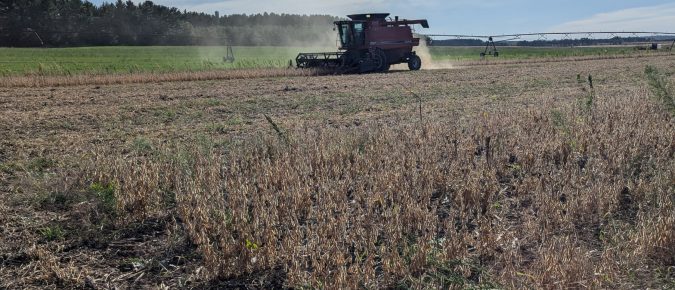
[[369, 43]]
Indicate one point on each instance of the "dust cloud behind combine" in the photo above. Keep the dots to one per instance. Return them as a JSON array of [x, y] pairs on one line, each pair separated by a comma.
[[315, 37], [428, 63]]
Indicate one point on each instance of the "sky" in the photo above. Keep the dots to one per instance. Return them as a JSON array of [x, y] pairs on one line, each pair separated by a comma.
[[475, 17]]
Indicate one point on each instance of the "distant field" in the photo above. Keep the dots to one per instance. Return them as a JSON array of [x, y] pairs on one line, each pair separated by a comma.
[[160, 59], [125, 59], [472, 53]]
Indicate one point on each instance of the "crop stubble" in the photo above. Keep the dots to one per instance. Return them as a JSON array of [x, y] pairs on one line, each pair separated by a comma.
[[510, 177]]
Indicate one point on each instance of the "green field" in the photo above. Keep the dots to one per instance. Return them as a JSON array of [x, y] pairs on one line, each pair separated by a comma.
[[124, 59], [471, 53]]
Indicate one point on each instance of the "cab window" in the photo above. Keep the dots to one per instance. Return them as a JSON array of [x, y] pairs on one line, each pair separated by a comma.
[[345, 34], [359, 34]]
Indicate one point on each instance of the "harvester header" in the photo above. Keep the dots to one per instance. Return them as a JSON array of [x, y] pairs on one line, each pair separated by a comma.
[[369, 43]]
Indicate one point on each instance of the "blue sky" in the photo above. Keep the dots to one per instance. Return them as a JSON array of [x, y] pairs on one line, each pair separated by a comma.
[[484, 17]]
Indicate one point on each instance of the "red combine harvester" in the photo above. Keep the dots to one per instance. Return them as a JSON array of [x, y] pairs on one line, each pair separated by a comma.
[[369, 43]]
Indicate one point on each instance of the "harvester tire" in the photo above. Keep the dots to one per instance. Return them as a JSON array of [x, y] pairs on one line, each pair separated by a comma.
[[414, 63], [380, 58]]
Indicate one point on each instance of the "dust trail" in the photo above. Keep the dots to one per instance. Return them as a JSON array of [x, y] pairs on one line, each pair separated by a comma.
[[318, 37], [428, 63]]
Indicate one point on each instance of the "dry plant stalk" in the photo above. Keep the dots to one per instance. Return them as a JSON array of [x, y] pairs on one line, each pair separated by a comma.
[[519, 198], [108, 79]]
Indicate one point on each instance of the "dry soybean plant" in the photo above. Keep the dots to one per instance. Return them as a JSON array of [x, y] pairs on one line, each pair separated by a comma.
[[535, 197], [107, 79]]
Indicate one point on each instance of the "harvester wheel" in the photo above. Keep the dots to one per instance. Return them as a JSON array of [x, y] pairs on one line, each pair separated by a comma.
[[380, 59], [414, 63]]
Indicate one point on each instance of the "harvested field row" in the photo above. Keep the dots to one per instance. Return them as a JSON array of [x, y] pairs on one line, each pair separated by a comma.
[[109, 79], [36, 80], [660, 55], [538, 175]]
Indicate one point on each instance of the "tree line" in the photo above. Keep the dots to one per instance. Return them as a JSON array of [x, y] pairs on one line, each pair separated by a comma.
[[57, 23]]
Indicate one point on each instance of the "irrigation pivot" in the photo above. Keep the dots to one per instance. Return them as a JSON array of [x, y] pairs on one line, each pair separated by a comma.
[[229, 57], [491, 48]]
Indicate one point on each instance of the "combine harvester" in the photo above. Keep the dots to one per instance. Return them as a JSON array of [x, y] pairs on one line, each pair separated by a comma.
[[369, 43]]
